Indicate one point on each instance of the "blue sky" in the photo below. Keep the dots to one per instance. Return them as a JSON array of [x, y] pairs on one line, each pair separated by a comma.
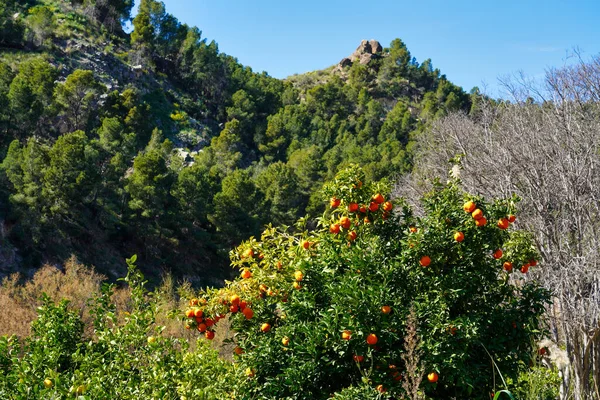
[[472, 42]]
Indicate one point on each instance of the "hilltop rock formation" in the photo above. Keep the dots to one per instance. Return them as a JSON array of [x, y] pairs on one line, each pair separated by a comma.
[[366, 51]]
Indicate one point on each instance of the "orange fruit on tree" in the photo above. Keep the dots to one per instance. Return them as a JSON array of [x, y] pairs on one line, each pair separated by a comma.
[[532, 263], [498, 254], [243, 305], [413, 229], [48, 383], [425, 261], [507, 266], [481, 221], [358, 358], [234, 299], [298, 275], [248, 313], [469, 206], [373, 206], [386, 309], [210, 335], [525, 268], [345, 222], [334, 202], [378, 198], [198, 319], [367, 220], [477, 214], [362, 209], [459, 236], [266, 327], [511, 218], [352, 207], [285, 341], [432, 377], [334, 228], [234, 308], [372, 339], [380, 389], [202, 327], [198, 313], [193, 302], [189, 313], [503, 223], [297, 286], [387, 206], [346, 335], [351, 236], [246, 273], [279, 265], [238, 350], [249, 253], [385, 215], [209, 322], [305, 244]]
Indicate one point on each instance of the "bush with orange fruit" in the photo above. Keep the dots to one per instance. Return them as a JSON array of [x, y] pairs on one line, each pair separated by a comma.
[[328, 325]]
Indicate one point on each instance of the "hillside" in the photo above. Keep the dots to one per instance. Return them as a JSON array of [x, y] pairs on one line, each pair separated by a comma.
[[155, 143]]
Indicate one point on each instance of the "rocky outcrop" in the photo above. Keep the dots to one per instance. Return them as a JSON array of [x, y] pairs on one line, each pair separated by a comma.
[[366, 51]]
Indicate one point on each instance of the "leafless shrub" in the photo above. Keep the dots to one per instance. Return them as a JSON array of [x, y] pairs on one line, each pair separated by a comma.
[[412, 359], [544, 146]]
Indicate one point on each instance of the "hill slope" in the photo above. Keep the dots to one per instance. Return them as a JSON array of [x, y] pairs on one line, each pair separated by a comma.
[[156, 143]]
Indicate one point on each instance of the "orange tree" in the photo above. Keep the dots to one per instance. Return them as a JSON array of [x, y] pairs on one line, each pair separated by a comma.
[[323, 310]]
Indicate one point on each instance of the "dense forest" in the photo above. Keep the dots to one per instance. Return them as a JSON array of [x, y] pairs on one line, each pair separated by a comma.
[[156, 143]]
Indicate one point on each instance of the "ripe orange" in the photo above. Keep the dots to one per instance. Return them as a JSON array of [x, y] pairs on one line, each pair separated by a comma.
[[334, 203], [297, 286], [413, 229], [279, 265], [367, 220], [248, 253], [209, 322], [373, 206], [525, 268], [387, 206], [201, 327], [351, 236], [511, 218], [234, 308], [352, 207], [238, 351], [193, 302], [198, 313], [469, 206], [532, 263], [345, 222], [542, 351], [346, 335], [481, 221], [243, 305], [210, 335], [477, 214], [372, 339], [432, 377], [378, 198], [305, 244], [381, 389], [246, 273], [266, 327], [189, 313], [248, 313], [459, 236], [358, 358], [425, 261], [198, 319], [498, 254], [362, 209], [385, 215], [503, 223], [507, 266], [298, 275], [285, 341], [386, 309], [334, 228], [235, 299]]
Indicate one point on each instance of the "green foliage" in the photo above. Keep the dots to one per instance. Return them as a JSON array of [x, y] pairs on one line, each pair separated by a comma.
[[312, 286], [77, 97], [41, 21]]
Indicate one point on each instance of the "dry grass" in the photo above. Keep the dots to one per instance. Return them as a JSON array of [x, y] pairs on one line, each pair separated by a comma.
[[78, 284]]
